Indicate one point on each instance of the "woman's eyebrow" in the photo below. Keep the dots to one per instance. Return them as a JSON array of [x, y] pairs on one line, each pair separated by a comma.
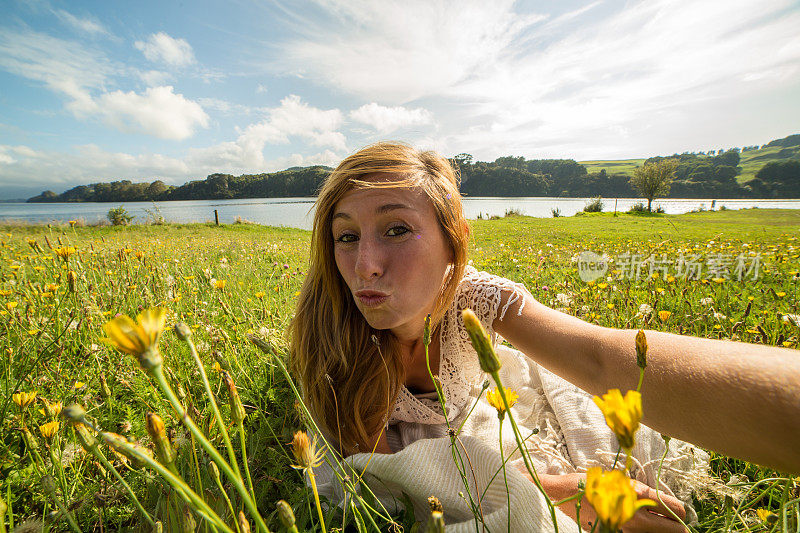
[[380, 210]]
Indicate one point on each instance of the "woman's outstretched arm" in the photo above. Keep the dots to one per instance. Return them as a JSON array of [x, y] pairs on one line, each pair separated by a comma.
[[736, 398]]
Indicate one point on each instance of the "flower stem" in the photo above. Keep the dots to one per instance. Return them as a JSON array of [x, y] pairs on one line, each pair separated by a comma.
[[217, 415], [523, 450], [313, 479], [158, 373], [244, 459], [505, 477], [177, 483]]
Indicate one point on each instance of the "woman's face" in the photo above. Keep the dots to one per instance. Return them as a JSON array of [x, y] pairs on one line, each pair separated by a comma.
[[392, 254]]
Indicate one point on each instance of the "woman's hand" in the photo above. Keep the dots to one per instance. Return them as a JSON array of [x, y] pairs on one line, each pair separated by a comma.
[[648, 519]]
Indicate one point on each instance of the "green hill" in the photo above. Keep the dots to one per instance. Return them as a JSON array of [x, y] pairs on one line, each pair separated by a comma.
[[753, 159]]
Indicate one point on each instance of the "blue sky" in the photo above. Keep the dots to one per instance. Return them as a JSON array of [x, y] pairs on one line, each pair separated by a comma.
[[99, 91]]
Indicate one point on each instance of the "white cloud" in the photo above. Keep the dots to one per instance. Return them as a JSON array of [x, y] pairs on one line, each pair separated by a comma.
[[82, 74], [86, 25], [261, 89], [621, 78], [158, 112], [160, 47], [398, 51], [293, 118], [388, 119], [154, 78], [63, 66]]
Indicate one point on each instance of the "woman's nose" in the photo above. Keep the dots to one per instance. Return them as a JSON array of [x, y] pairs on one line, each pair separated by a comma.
[[369, 263]]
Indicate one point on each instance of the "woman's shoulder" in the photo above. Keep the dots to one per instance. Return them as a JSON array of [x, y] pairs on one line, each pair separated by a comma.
[[483, 292]]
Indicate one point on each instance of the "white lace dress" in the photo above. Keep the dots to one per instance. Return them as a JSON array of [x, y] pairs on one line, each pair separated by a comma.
[[572, 434]]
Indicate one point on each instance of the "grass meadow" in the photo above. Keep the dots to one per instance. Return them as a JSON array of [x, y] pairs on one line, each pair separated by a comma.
[[231, 281]]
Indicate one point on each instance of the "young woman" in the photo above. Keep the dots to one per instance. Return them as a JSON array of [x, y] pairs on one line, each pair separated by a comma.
[[389, 247]]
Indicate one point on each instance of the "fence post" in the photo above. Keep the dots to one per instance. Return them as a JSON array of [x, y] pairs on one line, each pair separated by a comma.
[[216, 217]]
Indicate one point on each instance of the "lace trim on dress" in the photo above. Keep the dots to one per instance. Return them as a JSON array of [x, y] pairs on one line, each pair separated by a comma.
[[459, 371]]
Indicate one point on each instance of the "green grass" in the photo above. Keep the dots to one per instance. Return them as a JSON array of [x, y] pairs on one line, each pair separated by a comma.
[[50, 341]]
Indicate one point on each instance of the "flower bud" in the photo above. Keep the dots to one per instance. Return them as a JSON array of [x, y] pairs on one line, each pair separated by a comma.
[[285, 514], [130, 450], [426, 334], [74, 413], [30, 440], [213, 469], [157, 432], [481, 342], [244, 525], [183, 331], [641, 350], [72, 280], [237, 409]]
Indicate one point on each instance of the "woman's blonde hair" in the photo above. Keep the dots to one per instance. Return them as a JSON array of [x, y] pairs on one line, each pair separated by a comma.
[[350, 373]]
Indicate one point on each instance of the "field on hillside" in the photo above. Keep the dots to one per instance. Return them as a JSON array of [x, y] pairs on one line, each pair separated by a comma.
[[60, 284], [751, 162]]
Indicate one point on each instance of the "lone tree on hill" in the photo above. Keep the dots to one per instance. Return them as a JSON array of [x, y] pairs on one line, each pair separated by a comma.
[[653, 179]]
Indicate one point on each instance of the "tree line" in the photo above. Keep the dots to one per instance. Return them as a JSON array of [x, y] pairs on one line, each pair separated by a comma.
[[695, 175]]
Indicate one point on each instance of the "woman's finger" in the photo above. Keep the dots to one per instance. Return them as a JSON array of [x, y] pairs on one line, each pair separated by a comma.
[[670, 503], [646, 522]]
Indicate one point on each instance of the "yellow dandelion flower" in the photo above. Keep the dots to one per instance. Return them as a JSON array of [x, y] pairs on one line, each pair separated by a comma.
[[138, 338], [654, 275], [53, 408], [763, 514], [610, 306], [305, 452], [51, 287], [780, 294], [260, 295], [72, 223], [24, 399], [5, 292], [613, 497], [11, 305], [718, 280], [219, 284], [49, 430], [660, 290], [670, 279], [78, 385], [664, 315], [602, 285], [496, 401], [622, 414], [33, 331], [64, 252]]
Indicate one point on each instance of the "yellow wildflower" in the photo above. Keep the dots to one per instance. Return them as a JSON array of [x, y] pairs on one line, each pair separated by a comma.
[[72, 223], [764, 514], [718, 280], [610, 306], [613, 497], [780, 294], [49, 430], [305, 452], [24, 399], [139, 338], [218, 284], [53, 409], [78, 385], [664, 315], [496, 401], [11, 305], [64, 252], [622, 414]]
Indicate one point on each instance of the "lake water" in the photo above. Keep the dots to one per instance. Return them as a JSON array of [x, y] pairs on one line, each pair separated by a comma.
[[298, 212]]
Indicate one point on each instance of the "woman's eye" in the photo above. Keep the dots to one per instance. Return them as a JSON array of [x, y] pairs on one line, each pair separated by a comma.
[[396, 231], [347, 237]]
